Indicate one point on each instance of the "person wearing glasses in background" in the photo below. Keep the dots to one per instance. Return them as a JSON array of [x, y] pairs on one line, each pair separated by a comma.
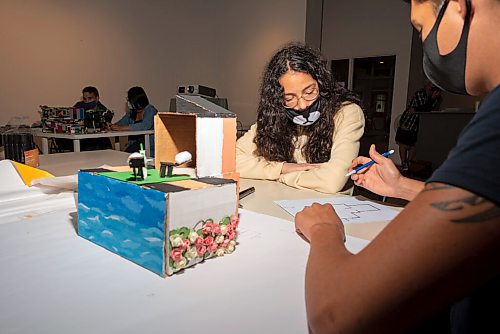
[[308, 127]]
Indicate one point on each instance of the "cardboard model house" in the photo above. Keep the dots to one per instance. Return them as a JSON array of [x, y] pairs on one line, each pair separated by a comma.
[[202, 128], [168, 223], [164, 227]]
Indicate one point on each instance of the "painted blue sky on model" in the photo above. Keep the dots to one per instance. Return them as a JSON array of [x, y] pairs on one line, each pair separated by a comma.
[[129, 209]]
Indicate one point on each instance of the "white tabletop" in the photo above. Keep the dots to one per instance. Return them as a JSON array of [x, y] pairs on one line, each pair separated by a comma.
[[53, 281], [261, 201], [266, 192], [103, 134]]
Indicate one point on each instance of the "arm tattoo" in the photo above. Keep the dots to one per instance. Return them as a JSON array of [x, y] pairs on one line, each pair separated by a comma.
[[490, 213], [487, 212]]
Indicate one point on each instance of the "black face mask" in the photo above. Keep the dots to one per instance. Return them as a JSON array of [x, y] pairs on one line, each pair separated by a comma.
[[448, 71], [89, 105], [307, 116]]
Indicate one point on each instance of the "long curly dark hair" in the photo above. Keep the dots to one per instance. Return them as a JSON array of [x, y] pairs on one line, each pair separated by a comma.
[[275, 132]]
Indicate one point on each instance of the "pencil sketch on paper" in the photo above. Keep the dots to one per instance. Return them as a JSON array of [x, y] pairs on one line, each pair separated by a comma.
[[349, 209]]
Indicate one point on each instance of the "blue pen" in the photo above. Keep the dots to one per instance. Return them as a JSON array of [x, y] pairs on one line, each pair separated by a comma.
[[368, 164]]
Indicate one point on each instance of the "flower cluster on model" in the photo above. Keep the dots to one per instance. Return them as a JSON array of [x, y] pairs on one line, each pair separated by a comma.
[[197, 244]]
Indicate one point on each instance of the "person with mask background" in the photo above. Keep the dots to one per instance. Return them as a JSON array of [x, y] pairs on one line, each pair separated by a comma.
[[89, 102], [90, 99], [442, 250], [308, 127], [139, 116]]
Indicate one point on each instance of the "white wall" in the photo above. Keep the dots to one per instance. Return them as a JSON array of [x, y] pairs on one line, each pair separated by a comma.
[[251, 33], [51, 49], [365, 28]]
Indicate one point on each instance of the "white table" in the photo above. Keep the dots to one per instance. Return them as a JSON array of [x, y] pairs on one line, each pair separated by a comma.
[[262, 201], [266, 192], [54, 281], [77, 137]]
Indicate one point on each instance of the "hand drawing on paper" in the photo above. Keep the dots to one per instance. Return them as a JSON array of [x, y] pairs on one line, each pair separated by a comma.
[[349, 209]]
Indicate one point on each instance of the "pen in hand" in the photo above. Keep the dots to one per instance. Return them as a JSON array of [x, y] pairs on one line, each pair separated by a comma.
[[368, 164]]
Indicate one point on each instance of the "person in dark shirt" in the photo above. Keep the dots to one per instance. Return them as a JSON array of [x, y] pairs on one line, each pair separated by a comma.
[[424, 100], [91, 104], [442, 249], [90, 99]]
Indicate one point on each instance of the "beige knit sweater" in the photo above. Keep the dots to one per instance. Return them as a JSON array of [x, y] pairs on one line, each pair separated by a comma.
[[329, 177]]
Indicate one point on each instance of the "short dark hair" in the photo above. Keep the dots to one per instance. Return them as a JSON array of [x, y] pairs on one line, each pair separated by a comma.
[[137, 97], [91, 90]]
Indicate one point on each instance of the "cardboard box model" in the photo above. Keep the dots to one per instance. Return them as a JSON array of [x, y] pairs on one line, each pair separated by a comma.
[[169, 224], [202, 128], [164, 227]]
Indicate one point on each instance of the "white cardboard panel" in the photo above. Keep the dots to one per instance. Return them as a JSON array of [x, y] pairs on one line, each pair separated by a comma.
[[209, 139]]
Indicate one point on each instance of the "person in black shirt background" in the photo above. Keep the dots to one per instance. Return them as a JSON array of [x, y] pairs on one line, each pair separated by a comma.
[[424, 100]]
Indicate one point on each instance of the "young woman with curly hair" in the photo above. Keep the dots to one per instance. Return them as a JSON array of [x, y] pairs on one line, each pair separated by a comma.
[[308, 127]]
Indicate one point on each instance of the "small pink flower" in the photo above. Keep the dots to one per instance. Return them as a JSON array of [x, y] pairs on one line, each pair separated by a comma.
[[212, 248], [207, 228], [235, 221], [201, 250], [199, 241], [208, 241], [231, 235], [225, 243], [216, 229], [230, 229], [176, 254], [185, 244]]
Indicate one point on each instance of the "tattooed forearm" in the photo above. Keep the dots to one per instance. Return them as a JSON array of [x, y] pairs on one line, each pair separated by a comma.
[[466, 207], [490, 213], [478, 208], [470, 200], [459, 204]]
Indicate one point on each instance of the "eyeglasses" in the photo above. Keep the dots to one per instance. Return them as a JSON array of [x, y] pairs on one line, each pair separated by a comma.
[[310, 94]]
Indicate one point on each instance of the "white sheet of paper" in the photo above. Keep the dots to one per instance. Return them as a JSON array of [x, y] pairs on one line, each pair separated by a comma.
[[18, 202], [350, 209], [10, 178]]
